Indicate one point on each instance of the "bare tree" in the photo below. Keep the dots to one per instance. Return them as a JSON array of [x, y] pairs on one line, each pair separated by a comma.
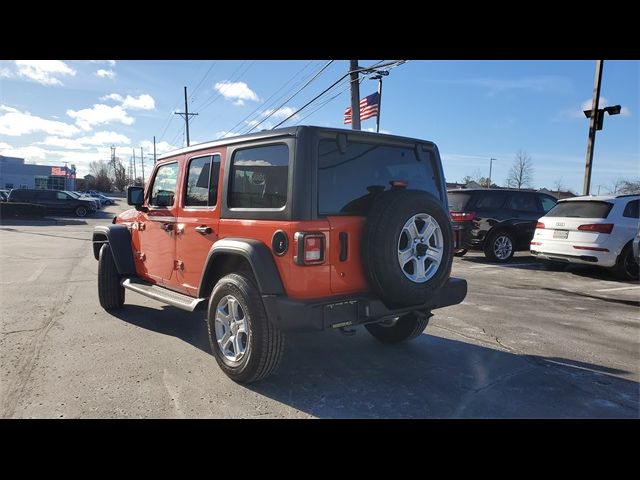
[[100, 176], [521, 173], [625, 187], [120, 176]]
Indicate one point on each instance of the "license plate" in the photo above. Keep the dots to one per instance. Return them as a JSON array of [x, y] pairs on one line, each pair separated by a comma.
[[560, 233]]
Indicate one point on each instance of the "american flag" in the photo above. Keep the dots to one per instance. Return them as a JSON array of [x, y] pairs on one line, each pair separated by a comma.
[[368, 108], [57, 172]]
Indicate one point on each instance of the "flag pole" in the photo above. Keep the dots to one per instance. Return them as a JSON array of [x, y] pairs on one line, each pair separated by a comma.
[[379, 103]]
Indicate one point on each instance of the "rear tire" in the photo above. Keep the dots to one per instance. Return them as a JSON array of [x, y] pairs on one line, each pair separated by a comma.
[[499, 246], [110, 292], [407, 327], [246, 345], [626, 267]]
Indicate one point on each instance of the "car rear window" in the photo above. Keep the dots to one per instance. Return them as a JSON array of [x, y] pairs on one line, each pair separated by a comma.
[[350, 179], [581, 209], [458, 201]]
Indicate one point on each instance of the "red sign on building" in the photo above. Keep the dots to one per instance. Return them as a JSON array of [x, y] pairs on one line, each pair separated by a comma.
[[57, 172]]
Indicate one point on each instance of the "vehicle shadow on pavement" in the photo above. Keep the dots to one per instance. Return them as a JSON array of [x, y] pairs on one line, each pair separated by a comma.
[[168, 320], [331, 376]]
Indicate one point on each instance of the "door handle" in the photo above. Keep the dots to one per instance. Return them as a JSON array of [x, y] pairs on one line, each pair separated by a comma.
[[204, 230], [167, 227]]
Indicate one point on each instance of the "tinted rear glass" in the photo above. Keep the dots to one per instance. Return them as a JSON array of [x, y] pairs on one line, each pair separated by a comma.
[[581, 209], [458, 201], [349, 181], [490, 200]]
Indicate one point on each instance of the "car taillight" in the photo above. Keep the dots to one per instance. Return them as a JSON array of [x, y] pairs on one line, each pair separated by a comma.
[[597, 227], [539, 225], [309, 248], [462, 216]]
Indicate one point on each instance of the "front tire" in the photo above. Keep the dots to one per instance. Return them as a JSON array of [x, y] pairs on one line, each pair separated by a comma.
[[407, 327], [246, 345], [110, 292], [499, 247], [626, 267]]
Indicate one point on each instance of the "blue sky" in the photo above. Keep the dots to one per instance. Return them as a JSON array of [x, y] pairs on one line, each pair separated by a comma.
[[57, 111]]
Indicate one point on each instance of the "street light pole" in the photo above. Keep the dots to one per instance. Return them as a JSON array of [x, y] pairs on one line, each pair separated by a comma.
[[592, 127], [490, 165]]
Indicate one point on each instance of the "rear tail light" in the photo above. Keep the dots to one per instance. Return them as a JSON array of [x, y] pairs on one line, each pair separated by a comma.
[[540, 225], [462, 216], [597, 227], [595, 249], [309, 248], [536, 243]]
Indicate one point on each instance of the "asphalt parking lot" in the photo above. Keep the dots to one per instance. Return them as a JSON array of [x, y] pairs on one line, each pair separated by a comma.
[[527, 342]]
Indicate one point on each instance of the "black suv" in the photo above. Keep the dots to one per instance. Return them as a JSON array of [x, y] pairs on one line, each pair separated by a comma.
[[499, 221], [53, 200]]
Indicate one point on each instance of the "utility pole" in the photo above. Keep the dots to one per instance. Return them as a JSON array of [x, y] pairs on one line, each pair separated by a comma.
[[355, 94], [154, 149], [186, 113], [490, 165], [142, 162], [135, 175], [592, 127]]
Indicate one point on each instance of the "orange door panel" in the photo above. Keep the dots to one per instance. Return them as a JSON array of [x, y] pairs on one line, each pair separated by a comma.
[[347, 275]]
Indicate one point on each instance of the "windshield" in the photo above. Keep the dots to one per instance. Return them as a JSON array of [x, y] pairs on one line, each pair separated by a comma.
[[581, 209], [349, 180], [73, 194]]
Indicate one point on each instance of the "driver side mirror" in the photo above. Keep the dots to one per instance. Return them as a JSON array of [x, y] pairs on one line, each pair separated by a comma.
[[135, 197]]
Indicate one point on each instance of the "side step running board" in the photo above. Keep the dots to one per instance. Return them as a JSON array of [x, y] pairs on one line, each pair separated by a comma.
[[164, 295]]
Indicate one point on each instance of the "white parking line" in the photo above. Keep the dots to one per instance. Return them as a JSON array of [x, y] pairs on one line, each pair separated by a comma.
[[617, 288], [534, 265]]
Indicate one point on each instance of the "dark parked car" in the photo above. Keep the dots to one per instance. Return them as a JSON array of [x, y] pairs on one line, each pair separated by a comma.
[[54, 200], [498, 221]]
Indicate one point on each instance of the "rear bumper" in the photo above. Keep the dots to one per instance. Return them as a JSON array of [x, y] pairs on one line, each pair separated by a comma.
[[565, 252], [301, 315]]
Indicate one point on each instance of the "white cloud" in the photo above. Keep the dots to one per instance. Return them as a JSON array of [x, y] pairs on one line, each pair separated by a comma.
[[113, 96], [44, 71], [99, 114], [111, 63], [105, 73], [226, 134], [625, 112], [4, 146], [84, 143], [282, 113], [30, 152], [237, 92], [15, 123], [143, 102], [372, 129], [161, 147]]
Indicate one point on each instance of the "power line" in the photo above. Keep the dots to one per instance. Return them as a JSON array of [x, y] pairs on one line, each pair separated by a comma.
[[202, 80], [266, 104], [292, 96], [378, 66]]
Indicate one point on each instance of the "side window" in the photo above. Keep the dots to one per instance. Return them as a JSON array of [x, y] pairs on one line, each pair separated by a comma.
[[45, 195], [62, 196], [547, 203], [632, 210], [259, 177], [523, 202], [491, 200], [202, 181], [163, 190]]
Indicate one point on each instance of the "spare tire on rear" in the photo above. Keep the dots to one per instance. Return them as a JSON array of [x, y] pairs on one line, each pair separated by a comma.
[[407, 245]]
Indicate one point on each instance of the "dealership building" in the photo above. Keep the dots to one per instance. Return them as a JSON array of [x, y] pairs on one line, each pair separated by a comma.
[[14, 173]]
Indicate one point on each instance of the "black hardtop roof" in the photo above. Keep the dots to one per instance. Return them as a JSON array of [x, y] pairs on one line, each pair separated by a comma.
[[287, 132]]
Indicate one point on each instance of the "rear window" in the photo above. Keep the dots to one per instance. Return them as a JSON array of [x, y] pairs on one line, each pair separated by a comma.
[[490, 200], [458, 201], [349, 180], [581, 209]]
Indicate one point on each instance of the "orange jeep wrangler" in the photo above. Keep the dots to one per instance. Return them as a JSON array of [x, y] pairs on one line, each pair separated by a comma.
[[301, 228]]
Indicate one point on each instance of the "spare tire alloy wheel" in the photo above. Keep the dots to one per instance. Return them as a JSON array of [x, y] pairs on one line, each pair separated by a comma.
[[420, 248]]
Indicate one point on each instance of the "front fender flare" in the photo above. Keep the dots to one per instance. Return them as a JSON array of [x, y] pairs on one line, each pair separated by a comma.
[[119, 239]]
